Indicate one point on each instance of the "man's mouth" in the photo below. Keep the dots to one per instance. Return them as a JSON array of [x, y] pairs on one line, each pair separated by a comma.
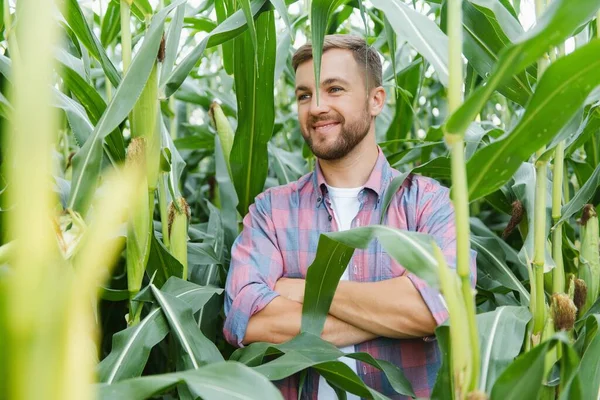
[[325, 126]]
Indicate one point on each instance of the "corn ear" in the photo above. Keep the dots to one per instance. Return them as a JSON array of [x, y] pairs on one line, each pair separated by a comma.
[[589, 266], [224, 130], [179, 216], [140, 223], [145, 122]]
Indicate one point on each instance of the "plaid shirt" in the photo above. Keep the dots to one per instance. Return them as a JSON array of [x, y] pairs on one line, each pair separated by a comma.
[[280, 237]]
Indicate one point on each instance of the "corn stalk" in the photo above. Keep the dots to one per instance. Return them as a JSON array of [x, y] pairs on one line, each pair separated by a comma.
[[466, 371], [538, 301]]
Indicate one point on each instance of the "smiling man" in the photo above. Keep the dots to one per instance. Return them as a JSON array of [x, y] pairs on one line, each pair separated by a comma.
[[378, 307]]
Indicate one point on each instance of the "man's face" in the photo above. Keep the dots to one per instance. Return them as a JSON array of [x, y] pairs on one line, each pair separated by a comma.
[[343, 117]]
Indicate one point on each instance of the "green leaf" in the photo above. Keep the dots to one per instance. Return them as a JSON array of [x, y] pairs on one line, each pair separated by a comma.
[[307, 350], [559, 21], [442, 389], [420, 32], [393, 187], [581, 198], [484, 40], [229, 29], [408, 79], [172, 43], [256, 111], [524, 189], [490, 260], [523, 378], [94, 105], [161, 264], [111, 23], [87, 161], [392, 372], [501, 335], [198, 349], [131, 347], [320, 14], [219, 381], [412, 250], [571, 77], [227, 195], [589, 369], [342, 376], [76, 20]]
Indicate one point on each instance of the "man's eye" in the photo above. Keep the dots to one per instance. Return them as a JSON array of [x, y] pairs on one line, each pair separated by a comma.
[[303, 97], [335, 89]]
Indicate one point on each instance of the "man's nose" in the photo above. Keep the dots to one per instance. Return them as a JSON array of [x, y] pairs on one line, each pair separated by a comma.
[[318, 108]]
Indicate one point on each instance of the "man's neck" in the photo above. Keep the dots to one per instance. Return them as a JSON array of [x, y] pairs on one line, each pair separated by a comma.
[[354, 169]]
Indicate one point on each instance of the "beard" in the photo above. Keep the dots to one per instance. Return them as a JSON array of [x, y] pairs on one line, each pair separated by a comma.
[[351, 134]]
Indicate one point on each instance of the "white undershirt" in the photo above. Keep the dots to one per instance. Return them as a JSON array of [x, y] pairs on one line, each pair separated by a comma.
[[345, 206]]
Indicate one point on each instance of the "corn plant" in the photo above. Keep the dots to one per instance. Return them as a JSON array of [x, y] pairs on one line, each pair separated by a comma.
[[156, 124]]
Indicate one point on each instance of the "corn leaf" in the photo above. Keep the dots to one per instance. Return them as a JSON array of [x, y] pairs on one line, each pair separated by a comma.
[[408, 79], [95, 106], [227, 195], [412, 250], [197, 348], [581, 198], [256, 113], [571, 77], [87, 161], [485, 40], [523, 378], [589, 369], [219, 381], [524, 190], [500, 336], [229, 29], [491, 261], [76, 20], [420, 32], [321, 12], [161, 264], [172, 42], [131, 347], [111, 24], [307, 350], [559, 21]]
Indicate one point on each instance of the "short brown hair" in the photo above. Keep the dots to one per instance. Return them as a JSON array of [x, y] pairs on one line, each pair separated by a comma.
[[364, 55]]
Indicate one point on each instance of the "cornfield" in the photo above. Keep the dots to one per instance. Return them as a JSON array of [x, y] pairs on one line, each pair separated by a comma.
[[137, 133]]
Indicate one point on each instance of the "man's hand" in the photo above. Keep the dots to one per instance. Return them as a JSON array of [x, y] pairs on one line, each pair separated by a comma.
[[290, 288]]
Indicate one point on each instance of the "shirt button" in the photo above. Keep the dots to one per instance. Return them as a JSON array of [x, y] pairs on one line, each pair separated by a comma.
[[319, 199], [330, 217]]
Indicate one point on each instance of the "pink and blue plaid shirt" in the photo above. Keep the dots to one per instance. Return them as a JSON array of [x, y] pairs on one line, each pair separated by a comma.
[[280, 237]]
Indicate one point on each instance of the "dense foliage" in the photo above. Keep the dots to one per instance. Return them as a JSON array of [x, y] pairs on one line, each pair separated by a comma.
[[135, 136]]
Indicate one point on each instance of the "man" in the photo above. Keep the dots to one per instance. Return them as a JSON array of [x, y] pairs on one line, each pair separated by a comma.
[[378, 307]]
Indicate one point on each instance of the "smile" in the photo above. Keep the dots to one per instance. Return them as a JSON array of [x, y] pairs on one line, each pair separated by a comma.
[[325, 127]]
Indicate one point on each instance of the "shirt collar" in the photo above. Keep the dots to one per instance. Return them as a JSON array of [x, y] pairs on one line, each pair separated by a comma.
[[377, 181]]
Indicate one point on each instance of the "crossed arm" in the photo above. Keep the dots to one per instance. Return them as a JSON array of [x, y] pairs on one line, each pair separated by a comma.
[[360, 311]]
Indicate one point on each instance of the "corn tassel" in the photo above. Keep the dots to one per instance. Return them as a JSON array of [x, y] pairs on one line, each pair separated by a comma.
[[139, 228], [179, 216], [589, 265]]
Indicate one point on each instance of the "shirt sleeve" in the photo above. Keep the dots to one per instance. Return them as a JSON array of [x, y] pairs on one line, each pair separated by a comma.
[[256, 265], [434, 215]]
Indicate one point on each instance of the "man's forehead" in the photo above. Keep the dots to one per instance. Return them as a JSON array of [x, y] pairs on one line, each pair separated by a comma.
[[335, 66]]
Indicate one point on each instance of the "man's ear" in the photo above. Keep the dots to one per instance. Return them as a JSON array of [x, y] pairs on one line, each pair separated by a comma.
[[377, 100]]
